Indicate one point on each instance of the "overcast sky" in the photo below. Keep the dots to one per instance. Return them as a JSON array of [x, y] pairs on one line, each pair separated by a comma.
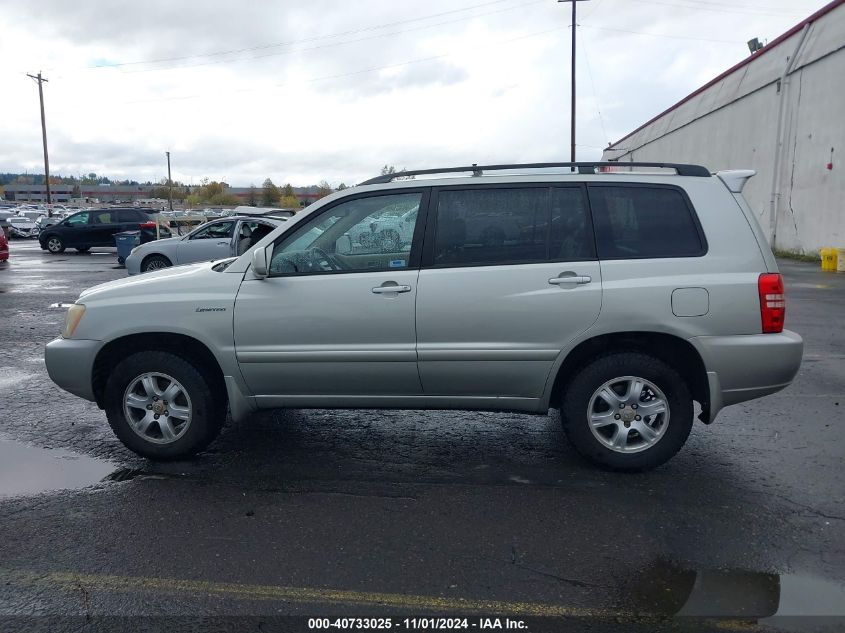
[[304, 90]]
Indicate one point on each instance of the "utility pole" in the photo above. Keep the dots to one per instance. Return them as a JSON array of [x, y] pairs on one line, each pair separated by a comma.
[[169, 182], [38, 78], [572, 106]]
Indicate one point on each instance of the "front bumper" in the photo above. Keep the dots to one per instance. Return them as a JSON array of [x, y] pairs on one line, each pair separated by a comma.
[[745, 367], [70, 364], [133, 264]]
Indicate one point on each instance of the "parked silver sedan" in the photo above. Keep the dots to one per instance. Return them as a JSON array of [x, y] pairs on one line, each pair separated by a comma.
[[227, 237]]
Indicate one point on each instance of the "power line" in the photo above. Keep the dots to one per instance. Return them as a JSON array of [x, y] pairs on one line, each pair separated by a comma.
[[332, 44], [673, 37], [715, 9], [595, 95], [349, 74], [304, 40], [734, 5]]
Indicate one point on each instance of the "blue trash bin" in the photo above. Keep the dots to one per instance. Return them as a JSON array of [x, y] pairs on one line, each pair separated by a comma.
[[125, 242]]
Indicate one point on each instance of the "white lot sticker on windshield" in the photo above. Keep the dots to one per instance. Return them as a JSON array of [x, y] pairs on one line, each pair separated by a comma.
[[397, 263]]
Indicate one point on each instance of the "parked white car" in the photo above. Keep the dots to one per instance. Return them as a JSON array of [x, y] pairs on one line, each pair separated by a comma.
[[22, 227], [226, 237]]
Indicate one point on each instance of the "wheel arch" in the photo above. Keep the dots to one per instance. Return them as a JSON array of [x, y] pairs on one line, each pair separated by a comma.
[[182, 345], [672, 350], [155, 254]]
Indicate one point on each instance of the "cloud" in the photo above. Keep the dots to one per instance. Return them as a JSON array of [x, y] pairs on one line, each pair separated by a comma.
[[313, 89]]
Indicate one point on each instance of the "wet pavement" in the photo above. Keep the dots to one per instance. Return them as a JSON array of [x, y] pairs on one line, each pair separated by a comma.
[[402, 513]]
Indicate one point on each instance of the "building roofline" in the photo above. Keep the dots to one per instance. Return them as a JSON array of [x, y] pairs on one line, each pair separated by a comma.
[[774, 43]]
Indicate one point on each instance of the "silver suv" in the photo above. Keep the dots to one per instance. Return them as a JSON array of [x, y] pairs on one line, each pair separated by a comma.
[[621, 297]]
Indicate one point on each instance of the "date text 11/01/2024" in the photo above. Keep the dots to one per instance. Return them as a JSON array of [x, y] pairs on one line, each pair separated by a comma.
[[417, 623]]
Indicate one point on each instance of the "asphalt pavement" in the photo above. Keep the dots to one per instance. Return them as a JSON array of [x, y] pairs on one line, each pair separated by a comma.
[[401, 514]]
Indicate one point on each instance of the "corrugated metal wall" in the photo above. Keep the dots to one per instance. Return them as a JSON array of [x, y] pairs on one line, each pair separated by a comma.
[[733, 124]]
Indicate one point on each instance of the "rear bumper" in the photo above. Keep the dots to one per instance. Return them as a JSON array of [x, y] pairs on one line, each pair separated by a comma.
[[70, 364], [741, 368]]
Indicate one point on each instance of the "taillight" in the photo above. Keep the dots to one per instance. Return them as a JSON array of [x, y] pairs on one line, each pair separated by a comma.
[[148, 225], [772, 302]]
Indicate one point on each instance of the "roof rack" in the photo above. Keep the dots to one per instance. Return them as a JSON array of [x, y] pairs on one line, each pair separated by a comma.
[[583, 168]]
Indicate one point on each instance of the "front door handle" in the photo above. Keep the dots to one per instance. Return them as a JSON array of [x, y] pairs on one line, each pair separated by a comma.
[[570, 278], [390, 287]]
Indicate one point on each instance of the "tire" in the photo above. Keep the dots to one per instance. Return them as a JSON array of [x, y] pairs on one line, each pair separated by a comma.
[[55, 245], [664, 433], [83, 249], [155, 262], [202, 408]]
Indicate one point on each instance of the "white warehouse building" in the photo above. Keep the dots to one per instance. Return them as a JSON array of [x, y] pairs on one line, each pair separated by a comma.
[[780, 112]]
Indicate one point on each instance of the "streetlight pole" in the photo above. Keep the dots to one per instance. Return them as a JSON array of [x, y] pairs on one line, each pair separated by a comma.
[[572, 91], [169, 183], [40, 80]]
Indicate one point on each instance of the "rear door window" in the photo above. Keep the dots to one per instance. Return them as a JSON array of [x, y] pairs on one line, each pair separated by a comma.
[[636, 222], [491, 226], [102, 217]]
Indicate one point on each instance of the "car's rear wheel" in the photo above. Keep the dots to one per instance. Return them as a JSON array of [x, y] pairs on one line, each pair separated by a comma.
[[162, 406], [155, 262], [627, 411], [55, 245]]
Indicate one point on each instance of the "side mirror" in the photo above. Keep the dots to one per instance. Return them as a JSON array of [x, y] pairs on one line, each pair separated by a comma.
[[343, 245], [260, 263]]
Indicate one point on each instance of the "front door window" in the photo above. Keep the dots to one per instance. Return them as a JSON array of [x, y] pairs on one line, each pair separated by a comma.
[[363, 234]]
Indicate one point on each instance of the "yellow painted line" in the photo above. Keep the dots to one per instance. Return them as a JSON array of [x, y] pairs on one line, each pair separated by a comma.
[[72, 581]]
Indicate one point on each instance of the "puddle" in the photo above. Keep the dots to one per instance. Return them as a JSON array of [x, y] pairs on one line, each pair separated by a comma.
[[786, 601], [26, 470]]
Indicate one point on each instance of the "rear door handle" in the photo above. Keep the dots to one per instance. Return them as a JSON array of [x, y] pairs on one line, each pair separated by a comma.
[[392, 287], [570, 279]]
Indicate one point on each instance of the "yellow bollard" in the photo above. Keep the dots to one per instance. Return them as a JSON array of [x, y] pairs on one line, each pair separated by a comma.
[[829, 258]]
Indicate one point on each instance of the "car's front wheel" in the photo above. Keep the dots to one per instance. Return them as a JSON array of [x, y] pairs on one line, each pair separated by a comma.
[[627, 411], [55, 245], [155, 262], [162, 406]]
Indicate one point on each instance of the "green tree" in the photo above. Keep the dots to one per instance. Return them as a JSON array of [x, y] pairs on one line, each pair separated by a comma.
[[288, 191], [342, 186], [388, 169], [270, 194], [211, 193], [289, 202]]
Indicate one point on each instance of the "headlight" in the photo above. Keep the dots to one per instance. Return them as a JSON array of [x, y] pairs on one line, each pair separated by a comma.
[[72, 319]]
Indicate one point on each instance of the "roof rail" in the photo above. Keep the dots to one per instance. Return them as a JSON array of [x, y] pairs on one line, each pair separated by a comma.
[[583, 168]]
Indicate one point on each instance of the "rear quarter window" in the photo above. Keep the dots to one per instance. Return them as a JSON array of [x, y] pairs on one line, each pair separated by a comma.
[[644, 221]]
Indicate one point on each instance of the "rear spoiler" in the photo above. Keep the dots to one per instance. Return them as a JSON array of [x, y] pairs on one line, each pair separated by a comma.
[[735, 179]]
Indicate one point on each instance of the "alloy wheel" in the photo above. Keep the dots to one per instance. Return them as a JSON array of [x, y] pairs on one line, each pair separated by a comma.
[[628, 414], [157, 407]]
